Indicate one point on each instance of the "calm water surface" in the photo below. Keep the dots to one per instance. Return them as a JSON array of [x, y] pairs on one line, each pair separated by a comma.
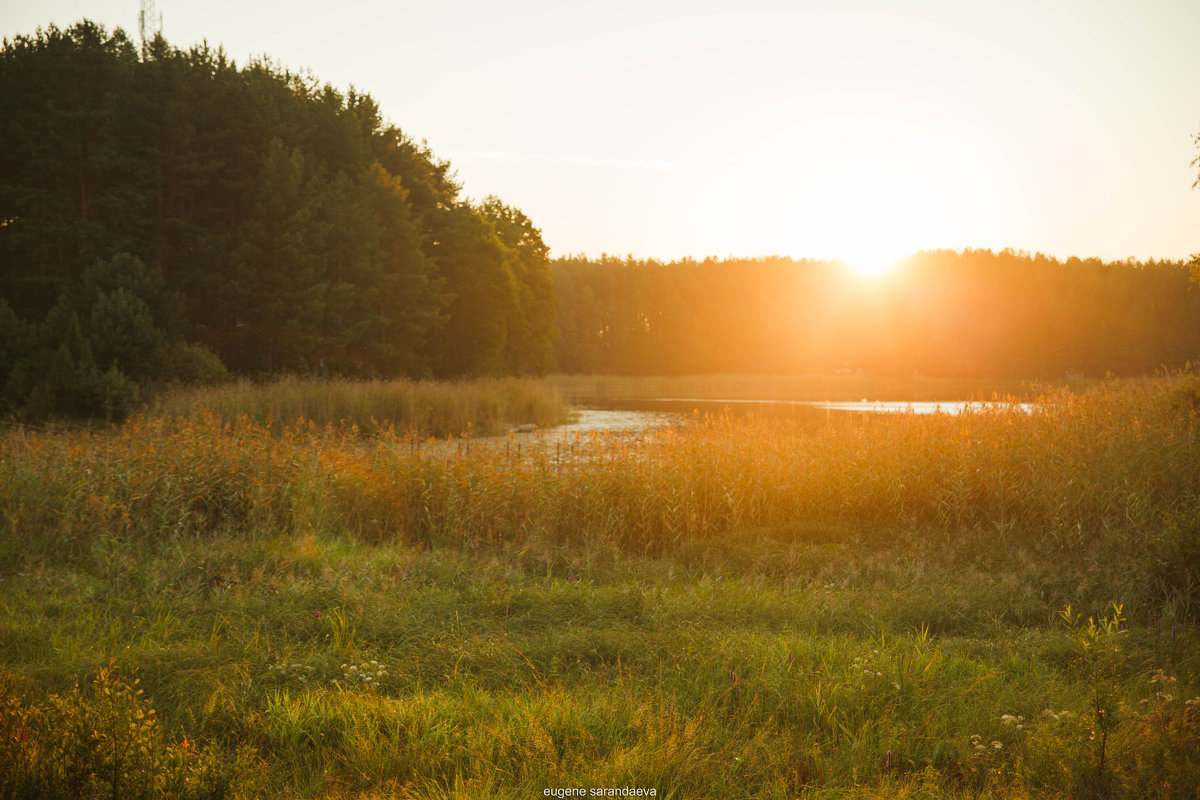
[[639, 413]]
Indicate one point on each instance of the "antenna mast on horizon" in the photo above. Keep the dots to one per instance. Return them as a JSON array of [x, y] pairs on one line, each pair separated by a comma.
[[149, 22]]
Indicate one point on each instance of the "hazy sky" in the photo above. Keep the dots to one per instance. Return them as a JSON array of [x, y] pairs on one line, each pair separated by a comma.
[[863, 129]]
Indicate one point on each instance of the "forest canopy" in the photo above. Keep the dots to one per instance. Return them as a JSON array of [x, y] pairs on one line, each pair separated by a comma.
[[970, 313], [166, 214]]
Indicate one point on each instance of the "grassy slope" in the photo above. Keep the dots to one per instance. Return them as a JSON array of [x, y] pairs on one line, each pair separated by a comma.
[[870, 645]]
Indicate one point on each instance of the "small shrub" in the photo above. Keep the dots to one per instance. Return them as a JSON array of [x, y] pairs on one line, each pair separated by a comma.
[[106, 742], [1100, 658]]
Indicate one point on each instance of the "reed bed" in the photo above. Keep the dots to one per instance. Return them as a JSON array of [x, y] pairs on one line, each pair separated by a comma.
[[484, 407], [1117, 462]]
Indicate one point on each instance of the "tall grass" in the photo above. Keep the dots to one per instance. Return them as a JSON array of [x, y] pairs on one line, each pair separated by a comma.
[[1122, 457], [1113, 469], [483, 407]]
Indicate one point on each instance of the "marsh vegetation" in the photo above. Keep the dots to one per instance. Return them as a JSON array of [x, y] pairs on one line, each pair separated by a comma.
[[995, 603]]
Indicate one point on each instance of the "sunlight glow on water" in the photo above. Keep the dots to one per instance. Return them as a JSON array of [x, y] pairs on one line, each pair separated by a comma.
[[916, 407], [634, 415], [586, 420]]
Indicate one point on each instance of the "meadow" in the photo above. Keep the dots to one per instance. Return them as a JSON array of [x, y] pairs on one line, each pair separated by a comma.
[[1000, 603]]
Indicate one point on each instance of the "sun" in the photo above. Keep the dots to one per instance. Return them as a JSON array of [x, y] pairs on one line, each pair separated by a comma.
[[845, 187], [870, 262]]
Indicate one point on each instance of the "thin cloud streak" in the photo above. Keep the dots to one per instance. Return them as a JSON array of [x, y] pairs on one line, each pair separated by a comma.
[[566, 158]]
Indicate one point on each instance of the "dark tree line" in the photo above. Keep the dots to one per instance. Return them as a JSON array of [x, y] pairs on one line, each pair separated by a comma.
[[974, 313], [167, 214]]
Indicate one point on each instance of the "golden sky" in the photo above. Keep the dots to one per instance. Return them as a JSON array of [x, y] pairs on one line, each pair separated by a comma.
[[862, 129]]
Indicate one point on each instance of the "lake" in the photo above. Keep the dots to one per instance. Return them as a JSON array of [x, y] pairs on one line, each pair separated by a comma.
[[632, 414]]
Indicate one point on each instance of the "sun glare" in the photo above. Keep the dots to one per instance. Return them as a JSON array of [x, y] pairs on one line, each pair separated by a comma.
[[841, 185], [870, 264], [870, 260]]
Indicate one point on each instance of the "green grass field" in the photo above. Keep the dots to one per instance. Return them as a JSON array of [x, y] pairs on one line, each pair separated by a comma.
[[998, 604]]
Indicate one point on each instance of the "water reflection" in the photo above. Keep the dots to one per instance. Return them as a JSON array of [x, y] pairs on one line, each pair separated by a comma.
[[631, 414], [586, 420], [919, 407]]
